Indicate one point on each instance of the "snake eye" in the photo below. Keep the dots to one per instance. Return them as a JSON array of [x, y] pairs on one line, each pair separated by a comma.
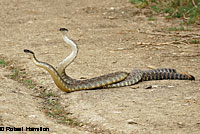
[[63, 29]]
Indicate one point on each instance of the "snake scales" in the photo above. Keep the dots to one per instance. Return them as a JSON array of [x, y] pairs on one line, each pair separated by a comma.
[[116, 79]]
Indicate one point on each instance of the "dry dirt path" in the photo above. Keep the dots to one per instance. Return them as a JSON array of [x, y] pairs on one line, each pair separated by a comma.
[[20, 109], [109, 40]]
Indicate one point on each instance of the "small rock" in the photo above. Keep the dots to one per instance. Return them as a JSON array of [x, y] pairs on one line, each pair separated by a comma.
[[154, 86], [30, 22], [188, 98], [148, 87], [32, 116], [82, 78], [117, 112], [131, 122], [180, 124], [135, 87], [112, 8]]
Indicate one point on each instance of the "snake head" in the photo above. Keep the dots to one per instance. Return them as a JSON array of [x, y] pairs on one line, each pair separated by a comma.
[[63, 29], [28, 51]]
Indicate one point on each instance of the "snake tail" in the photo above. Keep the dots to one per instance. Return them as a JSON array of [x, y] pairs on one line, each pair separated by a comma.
[[166, 75]]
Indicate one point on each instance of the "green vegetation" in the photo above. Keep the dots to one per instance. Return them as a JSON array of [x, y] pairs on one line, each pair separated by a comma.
[[15, 73], [188, 10], [180, 28], [18, 75], [49, 94], [150, 19], [29, 83], [194, 41], [53, 109], [51, 105], [2, 62], [139, 3]]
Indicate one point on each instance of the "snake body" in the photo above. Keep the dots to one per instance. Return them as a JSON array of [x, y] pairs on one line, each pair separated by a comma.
[[156, 74], [116, 79], [92, 83]]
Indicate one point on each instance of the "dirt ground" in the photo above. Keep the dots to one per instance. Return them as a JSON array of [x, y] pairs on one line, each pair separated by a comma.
[[112, 35]]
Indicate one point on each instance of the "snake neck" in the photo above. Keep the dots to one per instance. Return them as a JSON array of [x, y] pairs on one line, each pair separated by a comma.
[[63, 64], [54, 74]]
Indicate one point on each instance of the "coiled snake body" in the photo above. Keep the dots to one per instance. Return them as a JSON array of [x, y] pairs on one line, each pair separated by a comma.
[[117, 79]]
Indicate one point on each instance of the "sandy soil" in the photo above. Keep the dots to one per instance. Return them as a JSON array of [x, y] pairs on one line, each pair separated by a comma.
[[109, 40]]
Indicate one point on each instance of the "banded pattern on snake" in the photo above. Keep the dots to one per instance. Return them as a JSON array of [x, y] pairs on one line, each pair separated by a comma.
[[117, 79]]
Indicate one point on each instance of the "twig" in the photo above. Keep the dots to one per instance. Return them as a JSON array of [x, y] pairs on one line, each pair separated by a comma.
[[184, 16], [179, 41], [194, 4]]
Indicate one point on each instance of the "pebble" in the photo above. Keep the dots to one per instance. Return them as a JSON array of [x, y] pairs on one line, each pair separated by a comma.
[[148, 87], [32, 116], [130, 121]]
